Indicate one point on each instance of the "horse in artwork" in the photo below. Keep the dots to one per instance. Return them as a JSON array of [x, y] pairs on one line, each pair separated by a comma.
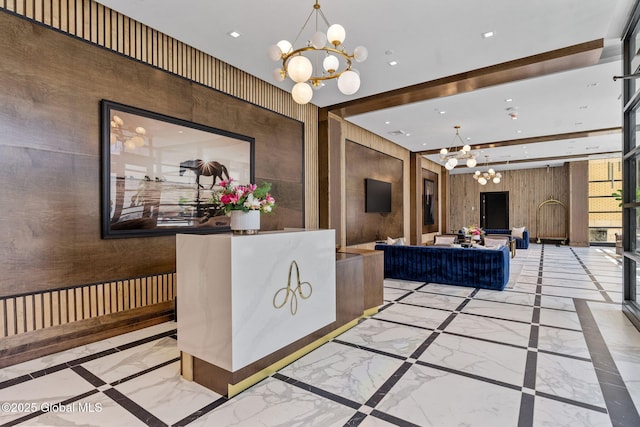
[[202, 168]]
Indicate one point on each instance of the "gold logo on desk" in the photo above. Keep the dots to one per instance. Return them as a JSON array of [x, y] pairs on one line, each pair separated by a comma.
[[303, 289]]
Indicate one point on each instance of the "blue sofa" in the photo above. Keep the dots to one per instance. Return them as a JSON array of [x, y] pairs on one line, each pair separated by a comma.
[[520, 243], [473, 267]]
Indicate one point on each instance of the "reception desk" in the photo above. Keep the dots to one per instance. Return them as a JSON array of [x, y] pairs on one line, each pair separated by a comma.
[[245, 302]]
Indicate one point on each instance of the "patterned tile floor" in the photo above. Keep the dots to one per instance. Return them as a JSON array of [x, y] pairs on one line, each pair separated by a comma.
[[553, 349]]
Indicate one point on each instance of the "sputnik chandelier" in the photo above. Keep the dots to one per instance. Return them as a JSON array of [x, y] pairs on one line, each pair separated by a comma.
[[451, 157], [128, 137], [490, 175], [336, 62]]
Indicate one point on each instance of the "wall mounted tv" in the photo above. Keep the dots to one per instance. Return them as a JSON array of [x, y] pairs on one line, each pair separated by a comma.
[[377, 196]]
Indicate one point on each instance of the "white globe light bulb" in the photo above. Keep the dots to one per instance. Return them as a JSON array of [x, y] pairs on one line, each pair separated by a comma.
[[349, 82], [496, 180], [471, 162], [360, 54], [330, 64], [482, 181], [477, 174], [336, 34], [454, 161], [443, 152], [491, 171], [285, 46], [466, 148], [302, 93], [448, 166], [117, 120], [140, 130], [278, 74], [318, 40], [299, 68], [274, 52]]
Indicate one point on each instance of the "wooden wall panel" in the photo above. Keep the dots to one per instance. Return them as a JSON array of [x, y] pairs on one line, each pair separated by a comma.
[[49, 152], [527, 189], [363, 227]]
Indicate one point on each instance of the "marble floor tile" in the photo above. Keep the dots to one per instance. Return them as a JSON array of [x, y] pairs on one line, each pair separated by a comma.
[[578, 284], [560, 303], [385, 336], [502, 331], [485, 359], [95, 410], [506, 296], [372, 421], [425, 299], [568, 276], [499, 309], [345, 371], [128, 362], [569, 378], [402, 284], [562, 341], [46, 390], [391, 294], [412, 315], [572, 293], [559, 318], [551, 413], [459, 291], [527, 288], [613, 287], [275, 403], [166, 395], [430, 397], [528, 279]]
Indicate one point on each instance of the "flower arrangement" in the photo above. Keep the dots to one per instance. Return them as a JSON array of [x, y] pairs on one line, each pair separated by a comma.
[[473, 230], [250, 197]]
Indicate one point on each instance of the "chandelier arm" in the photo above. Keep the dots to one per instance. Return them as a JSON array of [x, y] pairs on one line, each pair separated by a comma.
[[324, 18], [303, 27], [343, 54]]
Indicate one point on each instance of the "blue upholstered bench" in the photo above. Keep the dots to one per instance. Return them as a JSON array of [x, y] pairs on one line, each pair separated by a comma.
[[473, 267], [520, 243]]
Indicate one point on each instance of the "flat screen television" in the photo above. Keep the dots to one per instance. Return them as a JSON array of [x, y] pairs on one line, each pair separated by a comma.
[[377, 196]]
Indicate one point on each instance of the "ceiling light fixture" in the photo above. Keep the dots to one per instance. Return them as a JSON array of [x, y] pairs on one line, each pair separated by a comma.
[[392, 63], [451, 157], [490, 175], [234, 34], [336, 62], [488, 34], [126, 136]]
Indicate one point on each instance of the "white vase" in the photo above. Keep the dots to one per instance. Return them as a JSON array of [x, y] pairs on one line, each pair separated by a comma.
[[245, 222]]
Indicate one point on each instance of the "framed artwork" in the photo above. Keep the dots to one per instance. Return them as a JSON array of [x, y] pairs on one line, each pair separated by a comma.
[[429, 201], [159, 173]]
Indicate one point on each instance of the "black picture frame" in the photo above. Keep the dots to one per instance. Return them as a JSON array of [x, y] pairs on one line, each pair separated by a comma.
[[429, 202], [159, 172]]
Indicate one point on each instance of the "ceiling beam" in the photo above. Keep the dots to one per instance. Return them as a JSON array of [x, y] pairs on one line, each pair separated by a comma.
[[571, 57], [536, 139]]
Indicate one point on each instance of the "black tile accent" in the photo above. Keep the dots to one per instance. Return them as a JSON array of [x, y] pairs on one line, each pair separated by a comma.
[[391, 419], [372, 350], [146, 340], [530, 369], [15, 381], [424, 306], [136, 410], [49, 370], [355, 420], [88, 376], [423, 347], [597, 284], [395, 322], [200, 412], [573, 402], [146, 371], [484, 339], [568, 356], [468, 375], [388, 384], [527, 402], [91, 357], [320, 392], [622, 410]]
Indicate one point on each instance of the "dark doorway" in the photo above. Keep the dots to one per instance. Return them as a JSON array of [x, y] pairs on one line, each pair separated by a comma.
[[494, 209]]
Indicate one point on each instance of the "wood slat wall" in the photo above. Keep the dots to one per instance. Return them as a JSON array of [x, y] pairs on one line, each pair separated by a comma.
[[38, 310], [527, 189], [98, 24]]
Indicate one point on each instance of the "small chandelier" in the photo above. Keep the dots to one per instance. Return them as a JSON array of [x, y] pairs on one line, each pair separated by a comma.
[[128, 137], [336, 62], [490, 175], [451, 157]]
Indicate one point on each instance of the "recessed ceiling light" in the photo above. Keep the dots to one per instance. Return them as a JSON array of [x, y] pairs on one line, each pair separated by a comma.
[[442, 112], [392, 63], [407, 134], [468, 138], [488, 34], [593, 84], [518, 131], [424, 144], [508, 100], [387, 122], [583, 107], [234, 34]]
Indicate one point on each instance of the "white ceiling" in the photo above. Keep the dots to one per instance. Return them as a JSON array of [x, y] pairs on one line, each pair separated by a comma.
[[432, 40]]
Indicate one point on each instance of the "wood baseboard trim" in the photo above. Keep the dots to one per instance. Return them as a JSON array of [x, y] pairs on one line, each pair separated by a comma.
[[31, 345]]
